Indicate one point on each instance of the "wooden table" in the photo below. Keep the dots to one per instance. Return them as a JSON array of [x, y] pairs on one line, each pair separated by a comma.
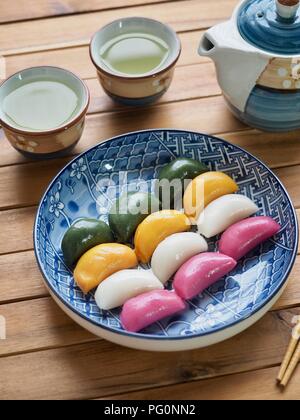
[[46, 355]]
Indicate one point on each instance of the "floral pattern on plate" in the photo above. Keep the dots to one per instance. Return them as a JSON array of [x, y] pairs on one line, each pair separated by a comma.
[[84, 189]]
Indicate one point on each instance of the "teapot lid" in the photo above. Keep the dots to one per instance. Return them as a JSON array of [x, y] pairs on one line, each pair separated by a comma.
[[271, 25]]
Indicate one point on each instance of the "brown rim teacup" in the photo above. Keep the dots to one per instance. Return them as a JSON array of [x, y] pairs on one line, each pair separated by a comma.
[[52, 142], [140, 89]]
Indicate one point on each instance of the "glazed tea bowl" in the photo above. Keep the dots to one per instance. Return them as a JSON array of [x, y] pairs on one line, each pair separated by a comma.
[[139, 89], [43, 144]]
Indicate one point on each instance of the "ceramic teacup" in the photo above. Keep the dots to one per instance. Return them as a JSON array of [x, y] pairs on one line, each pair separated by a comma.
[[139, 89], [45, 143]]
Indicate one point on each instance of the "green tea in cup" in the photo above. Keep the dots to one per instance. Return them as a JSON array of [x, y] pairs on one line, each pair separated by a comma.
[[134, 53], [135, 59], [42, 111], [41, 104]]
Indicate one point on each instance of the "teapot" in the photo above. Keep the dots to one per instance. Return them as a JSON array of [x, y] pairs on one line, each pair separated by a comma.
[[257, 59]]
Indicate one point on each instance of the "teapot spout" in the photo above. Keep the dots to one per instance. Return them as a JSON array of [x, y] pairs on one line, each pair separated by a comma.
[[238, 63], [207, 46], [218, 38]]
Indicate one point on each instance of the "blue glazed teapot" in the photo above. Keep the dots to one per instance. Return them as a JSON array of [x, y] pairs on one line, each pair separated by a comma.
[[257, 58]]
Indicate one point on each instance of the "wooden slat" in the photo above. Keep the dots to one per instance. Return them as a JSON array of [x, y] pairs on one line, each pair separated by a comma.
[[23, 185], [20, 277], [32, 9], [182, 15], [276, 149], [16, 230], [27, 182], [100, 368], [290, 178], [183, 88], [39, 324], [77, 59], [291, 295], [258, 385]]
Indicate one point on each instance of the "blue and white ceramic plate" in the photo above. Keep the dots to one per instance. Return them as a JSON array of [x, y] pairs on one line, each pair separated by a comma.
[[226, 308]]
